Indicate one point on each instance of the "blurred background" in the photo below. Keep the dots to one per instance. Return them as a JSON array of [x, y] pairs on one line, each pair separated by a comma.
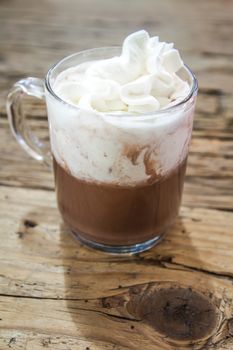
[[35, 34]]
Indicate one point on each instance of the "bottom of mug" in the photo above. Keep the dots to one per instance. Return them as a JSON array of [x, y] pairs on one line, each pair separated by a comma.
[[121, 249]]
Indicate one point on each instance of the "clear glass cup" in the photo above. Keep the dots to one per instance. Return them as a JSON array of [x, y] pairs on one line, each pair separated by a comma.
[[118, 179]]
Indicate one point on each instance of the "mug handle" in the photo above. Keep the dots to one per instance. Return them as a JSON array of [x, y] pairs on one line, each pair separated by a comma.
[[28, 141]]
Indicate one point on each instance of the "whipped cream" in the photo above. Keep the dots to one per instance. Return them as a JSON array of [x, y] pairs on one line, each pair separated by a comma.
[[99, 141], [142, 79]]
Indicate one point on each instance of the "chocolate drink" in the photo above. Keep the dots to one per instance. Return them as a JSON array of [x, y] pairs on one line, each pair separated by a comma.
[[120, 124], [118, 215]]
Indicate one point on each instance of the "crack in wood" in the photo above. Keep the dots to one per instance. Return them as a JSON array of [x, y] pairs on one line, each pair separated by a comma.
[[212, 273], [31, 187], [167, 262], [40, 298], [124, 318]]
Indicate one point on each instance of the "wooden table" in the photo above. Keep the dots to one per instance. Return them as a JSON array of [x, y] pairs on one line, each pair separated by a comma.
[[57, 294]]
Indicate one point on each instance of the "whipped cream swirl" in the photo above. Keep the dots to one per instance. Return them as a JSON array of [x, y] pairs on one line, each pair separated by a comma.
[[142, 79]]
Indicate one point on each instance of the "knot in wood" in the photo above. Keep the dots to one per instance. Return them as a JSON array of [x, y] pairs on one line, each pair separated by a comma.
[[178, 313]]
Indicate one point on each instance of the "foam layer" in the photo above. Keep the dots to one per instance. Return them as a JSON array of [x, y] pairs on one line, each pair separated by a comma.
[[126, 150]]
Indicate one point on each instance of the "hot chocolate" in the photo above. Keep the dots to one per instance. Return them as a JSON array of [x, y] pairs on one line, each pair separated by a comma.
[[120, 129], [120, 122], [119, 215]]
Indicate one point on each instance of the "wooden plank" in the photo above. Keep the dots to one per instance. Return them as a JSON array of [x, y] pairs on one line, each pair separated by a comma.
[[36, 250], [26, 340], [58, 24], [78, 293], [68, 319], [208, 193], [208, 181]]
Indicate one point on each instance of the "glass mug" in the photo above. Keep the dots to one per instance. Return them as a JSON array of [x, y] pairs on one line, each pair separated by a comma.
[[118, 178]]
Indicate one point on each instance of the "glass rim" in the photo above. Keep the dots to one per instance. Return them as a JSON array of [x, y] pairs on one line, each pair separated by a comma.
[[192, 92]]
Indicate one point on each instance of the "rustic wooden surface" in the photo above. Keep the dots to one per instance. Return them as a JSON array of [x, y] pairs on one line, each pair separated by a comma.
[[55, 293]]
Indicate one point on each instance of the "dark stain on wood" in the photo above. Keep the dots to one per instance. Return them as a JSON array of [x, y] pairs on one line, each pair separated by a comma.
[[11, 342], [177, 313], [29, 223], [20, 234], [230, 326], [46, 342], [113, 302]]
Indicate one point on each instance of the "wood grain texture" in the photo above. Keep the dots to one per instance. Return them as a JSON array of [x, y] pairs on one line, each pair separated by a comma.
[[57, 294]]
